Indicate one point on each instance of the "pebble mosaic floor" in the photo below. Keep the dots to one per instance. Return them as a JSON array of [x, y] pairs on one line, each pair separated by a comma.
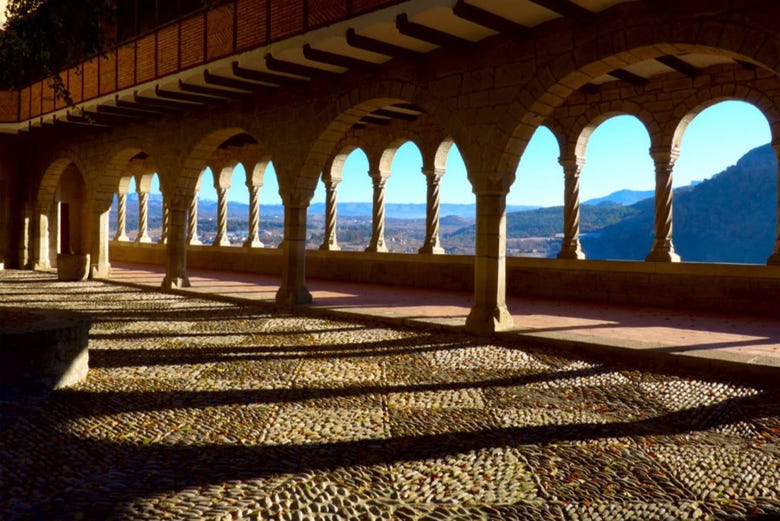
[[195, 409]]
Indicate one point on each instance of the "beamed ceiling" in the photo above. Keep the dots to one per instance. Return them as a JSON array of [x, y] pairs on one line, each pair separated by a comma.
[[405, 30]]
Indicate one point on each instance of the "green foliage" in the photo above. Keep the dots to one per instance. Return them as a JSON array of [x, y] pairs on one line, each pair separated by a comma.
[[42, 37]]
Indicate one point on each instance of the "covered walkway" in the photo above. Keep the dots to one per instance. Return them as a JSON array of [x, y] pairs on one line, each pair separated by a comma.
[[668, 337]]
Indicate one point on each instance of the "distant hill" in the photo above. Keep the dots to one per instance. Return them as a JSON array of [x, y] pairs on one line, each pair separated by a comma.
[[728, 218], [407, 211], [547, 222], [624, 197]]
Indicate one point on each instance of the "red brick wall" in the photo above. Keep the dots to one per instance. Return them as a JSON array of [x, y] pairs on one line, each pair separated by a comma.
[[108, 73], [90, 79], [325, 12], [220, 31], [75, 82], [126, 64], [9, 105], [168, 50], [144, 59], [251, 30], [192, 41], [24, 103], [286, 18], [35, 96]]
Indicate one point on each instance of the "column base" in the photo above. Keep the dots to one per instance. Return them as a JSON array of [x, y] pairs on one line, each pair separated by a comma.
[[486, 321], [433, 249], [221, 241], [122, 238], [100, 270], [774, 259], [330, 247], [377, 248], [179, 282], [194, 242], [571, 254], [662, 256], [287, 296], [253, 243], [144, 240]]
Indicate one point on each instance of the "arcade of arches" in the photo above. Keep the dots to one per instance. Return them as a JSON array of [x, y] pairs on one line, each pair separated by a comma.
[[468, 81]]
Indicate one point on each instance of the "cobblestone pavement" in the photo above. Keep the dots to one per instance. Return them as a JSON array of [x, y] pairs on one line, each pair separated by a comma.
[[195, 409]]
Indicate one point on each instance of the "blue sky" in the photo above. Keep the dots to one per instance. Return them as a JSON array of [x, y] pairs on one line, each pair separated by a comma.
[[616, 158]]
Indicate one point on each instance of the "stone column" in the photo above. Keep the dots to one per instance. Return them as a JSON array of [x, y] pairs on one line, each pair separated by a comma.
[[26, 238], [329, 241], [489, 313], [253, 239], [378, 222], [663, 248], [165, 221], [100, 267], [178, 238], [121, 218], [432, 210], [293, 290], [41, 257], [774, 258], [570, 246], [143, 218], [192, 230], [221, 239]]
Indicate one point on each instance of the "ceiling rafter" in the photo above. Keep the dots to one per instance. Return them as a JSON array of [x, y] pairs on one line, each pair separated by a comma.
[[366, 43], [490, 20], [429, 34], [389, 113], [139, 113], [330, 58], [268, 78], [568, 9], [679, 65], [187, 97], [629, 77], [161, 103], [211, 91], [297, 69]]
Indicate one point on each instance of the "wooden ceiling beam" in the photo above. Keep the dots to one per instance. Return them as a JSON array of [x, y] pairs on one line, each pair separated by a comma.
[[428, 34], [568, 9], [490, 20], [366, 43], [339, 60], [679, 65]]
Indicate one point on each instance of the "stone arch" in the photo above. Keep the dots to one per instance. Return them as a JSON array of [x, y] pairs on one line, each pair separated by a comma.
[[633, 37], [46, 244], [587, 123], [386, 159], [688, 109], [336, 170], [200, 156]]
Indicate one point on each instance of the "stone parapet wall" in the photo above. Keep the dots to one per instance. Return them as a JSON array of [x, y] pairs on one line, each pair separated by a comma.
[[749, 289]]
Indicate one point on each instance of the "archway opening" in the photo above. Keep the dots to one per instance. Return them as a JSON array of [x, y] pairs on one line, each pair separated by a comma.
[[458, 206], [354, 207], [725, 199], [534, 219], [617, 191], [405, 199]]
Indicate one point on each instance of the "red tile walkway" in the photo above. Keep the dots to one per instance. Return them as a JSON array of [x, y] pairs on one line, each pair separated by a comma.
[[672, 337]]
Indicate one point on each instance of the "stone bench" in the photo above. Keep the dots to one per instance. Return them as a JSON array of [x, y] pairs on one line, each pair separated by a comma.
[[41, 350]]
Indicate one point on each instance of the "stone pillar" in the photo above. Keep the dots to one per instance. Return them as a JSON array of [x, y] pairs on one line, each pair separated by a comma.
[[25, 239], [41, 257], [378, 222], [165, 221], [663, 248], [143, 217], [571, 247], [432, 210], [329, 241], [121, 218], [178, 238], [100, 266], [221, 239], [489, 313], [192, 230], [774, 258], [293, 290], [253, 239]]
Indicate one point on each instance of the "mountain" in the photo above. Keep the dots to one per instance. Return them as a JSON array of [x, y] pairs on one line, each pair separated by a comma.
[[408, 210], [624, 197], [728, 218]]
